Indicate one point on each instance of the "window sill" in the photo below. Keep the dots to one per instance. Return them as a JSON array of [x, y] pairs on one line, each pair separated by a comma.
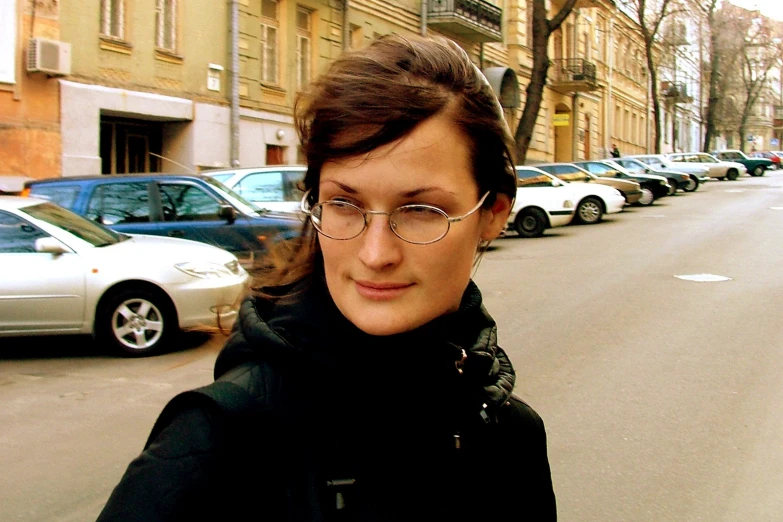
[[272, 87], [168, 56], [109, 43]]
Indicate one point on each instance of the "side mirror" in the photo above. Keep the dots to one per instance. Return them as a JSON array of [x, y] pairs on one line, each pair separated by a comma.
[[228, 213], [49, 245]]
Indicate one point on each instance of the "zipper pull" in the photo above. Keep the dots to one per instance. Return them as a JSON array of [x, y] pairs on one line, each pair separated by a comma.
[[459, 364], [483, 413], [457, 441]]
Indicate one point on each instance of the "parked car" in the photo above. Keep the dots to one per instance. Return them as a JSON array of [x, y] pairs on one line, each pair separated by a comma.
[[677, 180], [770, 155], [717, 168], [65, 274], [539, 205], [591, 202], [571, 173], [187, 206], [271, 187], [698, 174], [653, 187], [756, 166]]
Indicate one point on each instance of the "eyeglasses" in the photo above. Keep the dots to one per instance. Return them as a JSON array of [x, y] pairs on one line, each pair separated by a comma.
[[417, 224]]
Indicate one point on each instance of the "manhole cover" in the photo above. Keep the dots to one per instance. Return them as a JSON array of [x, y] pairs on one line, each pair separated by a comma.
[[703, 278]]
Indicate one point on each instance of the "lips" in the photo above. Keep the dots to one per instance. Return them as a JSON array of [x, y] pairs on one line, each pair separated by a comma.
[[381, 291]]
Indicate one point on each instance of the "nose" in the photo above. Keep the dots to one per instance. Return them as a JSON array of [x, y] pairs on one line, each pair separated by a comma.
[[380, 248]]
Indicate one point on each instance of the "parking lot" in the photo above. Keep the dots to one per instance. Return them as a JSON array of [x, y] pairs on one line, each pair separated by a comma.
[[661, 394]]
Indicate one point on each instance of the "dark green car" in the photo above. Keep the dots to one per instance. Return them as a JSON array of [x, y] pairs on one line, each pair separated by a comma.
[[755, 166]]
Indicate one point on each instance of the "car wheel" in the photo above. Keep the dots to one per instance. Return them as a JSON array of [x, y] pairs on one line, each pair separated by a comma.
[[692, 185], [530, 222], [758, 171], [732, 174], [590, 211], [136, 322], [647, 197], [672, 188]]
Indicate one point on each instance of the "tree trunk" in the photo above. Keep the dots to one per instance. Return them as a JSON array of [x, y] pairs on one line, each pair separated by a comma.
[[712, 100], [534, 94], [654, 96]]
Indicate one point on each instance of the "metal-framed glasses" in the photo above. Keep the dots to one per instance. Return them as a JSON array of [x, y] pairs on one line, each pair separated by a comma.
[[417, 224]]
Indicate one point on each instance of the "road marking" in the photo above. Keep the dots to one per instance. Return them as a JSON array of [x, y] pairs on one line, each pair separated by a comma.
[[703, 278], [653, 216], [735, 190], [776, 208]]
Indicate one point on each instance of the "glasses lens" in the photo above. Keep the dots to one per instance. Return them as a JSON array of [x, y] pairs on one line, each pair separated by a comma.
[[419, 223], [337, 219]]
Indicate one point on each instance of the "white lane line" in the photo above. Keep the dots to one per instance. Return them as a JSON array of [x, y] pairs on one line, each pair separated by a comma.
[[703, 278]]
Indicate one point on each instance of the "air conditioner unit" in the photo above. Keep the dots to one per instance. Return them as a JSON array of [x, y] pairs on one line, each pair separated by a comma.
[[49, 56]]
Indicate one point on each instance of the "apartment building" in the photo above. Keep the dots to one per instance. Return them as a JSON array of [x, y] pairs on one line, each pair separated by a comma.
[[168, 85]]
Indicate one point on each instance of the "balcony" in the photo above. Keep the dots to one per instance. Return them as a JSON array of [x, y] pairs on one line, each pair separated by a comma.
[[475, 21], [571, 75], [675, 93]]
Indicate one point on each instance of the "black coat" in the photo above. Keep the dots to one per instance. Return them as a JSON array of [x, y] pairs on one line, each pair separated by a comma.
[[346, 426]]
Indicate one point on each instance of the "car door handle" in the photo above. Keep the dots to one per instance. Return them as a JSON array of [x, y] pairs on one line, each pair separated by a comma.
[[176, 233]]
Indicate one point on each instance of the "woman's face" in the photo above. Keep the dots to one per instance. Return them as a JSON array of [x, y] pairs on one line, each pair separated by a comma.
[[379, 282]]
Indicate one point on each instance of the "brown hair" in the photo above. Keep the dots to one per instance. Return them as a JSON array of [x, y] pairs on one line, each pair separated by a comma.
[[377, 95]]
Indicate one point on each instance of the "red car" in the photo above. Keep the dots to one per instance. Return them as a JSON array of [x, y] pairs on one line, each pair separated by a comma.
[[769, 155]]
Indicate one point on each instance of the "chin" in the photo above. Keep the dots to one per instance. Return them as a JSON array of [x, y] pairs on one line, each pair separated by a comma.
[[380, 324]]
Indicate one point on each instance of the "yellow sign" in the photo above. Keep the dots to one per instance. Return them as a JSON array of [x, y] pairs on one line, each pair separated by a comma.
[[561, 119]]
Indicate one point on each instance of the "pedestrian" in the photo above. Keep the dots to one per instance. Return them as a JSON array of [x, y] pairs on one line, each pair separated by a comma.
[[377, 390], [615, 151]]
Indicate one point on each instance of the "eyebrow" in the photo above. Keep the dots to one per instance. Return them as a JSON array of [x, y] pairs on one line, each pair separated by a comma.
[[409, 194]]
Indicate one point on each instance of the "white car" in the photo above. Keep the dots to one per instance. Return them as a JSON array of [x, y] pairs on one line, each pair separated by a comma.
[[273, 187], [539, 206], [591, 201], [64, 274], [661, 161], [717, 168]]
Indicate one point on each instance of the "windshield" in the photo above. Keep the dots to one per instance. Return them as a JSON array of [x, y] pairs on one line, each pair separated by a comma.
[[235, 199], [86, 230]]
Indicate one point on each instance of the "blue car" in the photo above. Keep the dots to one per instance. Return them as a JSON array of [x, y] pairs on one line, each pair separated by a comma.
[[188, 206]]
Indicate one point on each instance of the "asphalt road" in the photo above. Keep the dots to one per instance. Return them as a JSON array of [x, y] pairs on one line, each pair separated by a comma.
[[662, 397]]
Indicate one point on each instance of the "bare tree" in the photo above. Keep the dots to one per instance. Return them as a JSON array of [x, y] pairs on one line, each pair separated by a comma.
[[650, 16], [542, 29], [758, 56]]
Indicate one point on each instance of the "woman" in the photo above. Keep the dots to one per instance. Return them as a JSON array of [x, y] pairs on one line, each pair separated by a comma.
[[371, 385]]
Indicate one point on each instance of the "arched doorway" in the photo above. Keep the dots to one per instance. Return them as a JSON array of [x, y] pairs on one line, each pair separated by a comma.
[[562, 124]]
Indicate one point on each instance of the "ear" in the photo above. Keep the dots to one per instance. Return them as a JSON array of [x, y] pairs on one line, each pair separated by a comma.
[[495, 218]]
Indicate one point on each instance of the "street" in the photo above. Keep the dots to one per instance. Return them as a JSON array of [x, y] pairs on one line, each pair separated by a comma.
[[662, 396]]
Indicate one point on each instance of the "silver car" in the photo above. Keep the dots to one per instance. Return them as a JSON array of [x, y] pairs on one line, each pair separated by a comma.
[[64, 274]]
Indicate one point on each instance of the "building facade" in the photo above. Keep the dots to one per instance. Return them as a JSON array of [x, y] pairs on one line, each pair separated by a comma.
[[169, 85]]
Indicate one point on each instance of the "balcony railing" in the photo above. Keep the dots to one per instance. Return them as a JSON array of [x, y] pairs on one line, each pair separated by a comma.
[[570, 75], [473, 20], [675, 92]]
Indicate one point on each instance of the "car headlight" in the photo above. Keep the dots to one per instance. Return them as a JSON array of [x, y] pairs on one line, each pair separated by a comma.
[[204, 270]]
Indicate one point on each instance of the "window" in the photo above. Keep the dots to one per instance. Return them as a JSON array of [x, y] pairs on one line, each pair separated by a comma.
[[269, 27], [184, 202], [60, 193], [113, 18], [17, 236], [266, 186], [166, 24], [119, 203], [303, 45], [529, 22]]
